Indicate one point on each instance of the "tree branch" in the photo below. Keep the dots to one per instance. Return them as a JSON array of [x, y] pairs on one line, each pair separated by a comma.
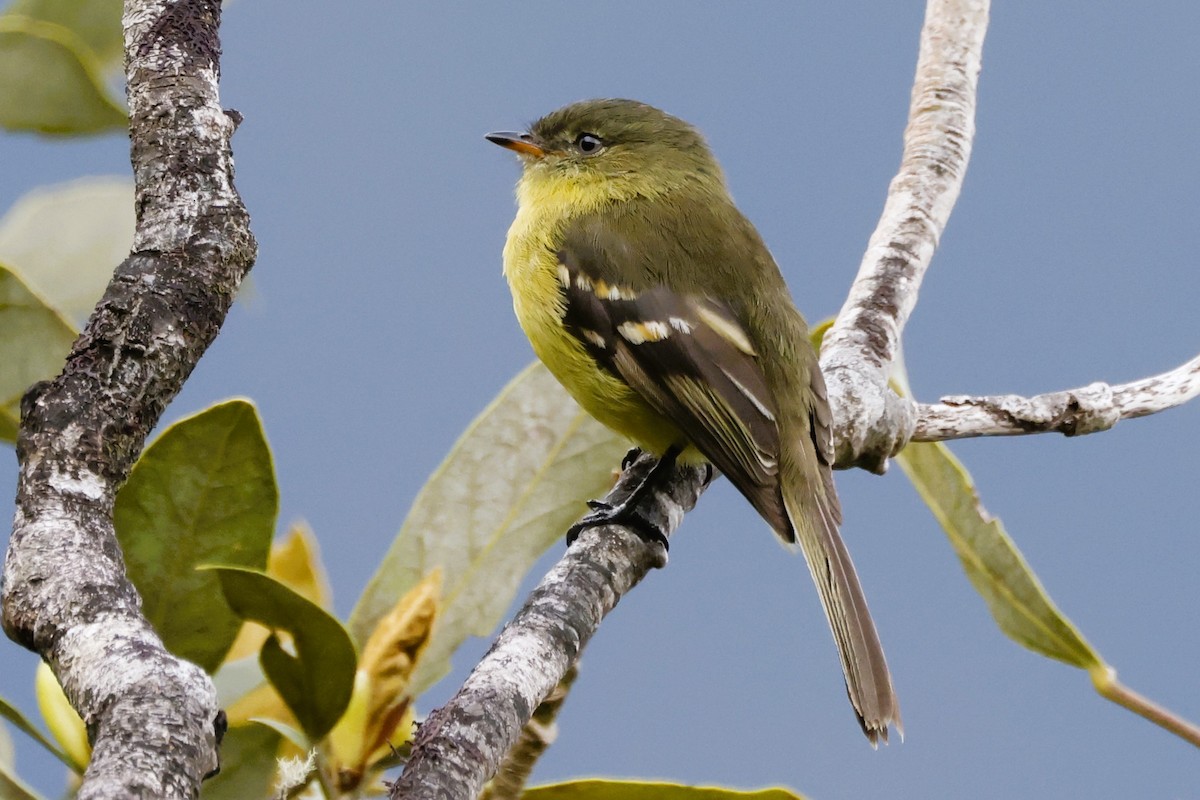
[[871, 422], [537, 735], [152, 718], [1091, 408], [461, 745]]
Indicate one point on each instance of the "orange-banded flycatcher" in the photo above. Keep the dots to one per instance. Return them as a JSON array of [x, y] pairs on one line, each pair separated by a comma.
[[650, 297]]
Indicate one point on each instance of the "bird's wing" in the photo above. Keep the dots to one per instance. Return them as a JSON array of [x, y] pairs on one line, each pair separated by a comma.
[[692, 360], [688, 357]]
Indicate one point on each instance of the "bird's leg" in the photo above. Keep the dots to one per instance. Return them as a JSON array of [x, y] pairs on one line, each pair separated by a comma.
[[625, 512]]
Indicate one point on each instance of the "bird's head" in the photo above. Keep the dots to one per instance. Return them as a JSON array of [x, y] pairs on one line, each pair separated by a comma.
[[612, 149]]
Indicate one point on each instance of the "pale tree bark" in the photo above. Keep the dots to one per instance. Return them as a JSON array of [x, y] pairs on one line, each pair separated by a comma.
[[152, 718], [1088, 409], [871, 423]]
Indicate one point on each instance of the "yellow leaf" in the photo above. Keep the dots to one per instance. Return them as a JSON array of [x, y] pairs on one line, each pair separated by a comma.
[[62, 720], [380, 712], [392, 653]]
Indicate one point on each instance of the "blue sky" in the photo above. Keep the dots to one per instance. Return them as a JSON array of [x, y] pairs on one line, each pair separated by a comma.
[[381, 325]]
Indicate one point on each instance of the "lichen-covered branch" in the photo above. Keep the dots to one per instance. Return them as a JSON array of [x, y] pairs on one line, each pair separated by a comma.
[[462, 744], [152, 718], [1091, 408], [871, 421], [537, 735]]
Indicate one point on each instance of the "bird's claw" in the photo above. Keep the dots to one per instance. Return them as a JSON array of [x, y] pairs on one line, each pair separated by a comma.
[[603, 513]]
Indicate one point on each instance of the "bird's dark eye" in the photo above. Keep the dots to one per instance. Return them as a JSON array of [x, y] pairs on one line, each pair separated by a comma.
[[589, 143]]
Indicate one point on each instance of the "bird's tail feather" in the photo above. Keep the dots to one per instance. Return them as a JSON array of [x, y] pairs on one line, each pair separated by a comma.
[[868, 681]]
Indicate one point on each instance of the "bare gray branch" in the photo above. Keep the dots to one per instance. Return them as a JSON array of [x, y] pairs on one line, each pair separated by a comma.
[[1088, 409], [871, 422]]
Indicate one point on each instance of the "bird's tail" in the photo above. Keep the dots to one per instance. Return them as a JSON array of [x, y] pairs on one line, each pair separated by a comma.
[[868, 681]]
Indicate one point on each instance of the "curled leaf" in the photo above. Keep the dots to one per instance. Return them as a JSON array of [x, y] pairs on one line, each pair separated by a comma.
[[316, 678], [373, 724], [295, 561]]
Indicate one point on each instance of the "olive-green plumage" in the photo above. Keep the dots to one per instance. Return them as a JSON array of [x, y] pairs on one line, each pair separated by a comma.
[[657, 305]]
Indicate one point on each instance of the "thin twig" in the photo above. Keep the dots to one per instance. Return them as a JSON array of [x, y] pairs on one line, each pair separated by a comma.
[[1088, 409], [1110, 688]]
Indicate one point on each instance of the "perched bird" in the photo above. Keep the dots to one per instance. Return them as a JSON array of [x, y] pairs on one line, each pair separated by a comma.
[[650, 297]]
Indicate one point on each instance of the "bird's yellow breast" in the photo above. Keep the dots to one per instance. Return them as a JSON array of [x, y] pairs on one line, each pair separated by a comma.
[[531, 267]]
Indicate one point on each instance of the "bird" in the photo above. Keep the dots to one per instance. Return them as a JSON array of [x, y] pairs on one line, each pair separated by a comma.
[[654, 301]]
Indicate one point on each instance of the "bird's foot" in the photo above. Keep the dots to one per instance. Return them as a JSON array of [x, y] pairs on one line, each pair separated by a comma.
[[623, 514]]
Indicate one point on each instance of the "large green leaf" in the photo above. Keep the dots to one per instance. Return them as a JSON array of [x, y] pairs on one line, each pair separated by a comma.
[[51, 81], [509, 488], [66, 240], [247, 765], [13, 715], [34, 342], [994, 565], [97, 23], [204, 492], [317, 677], [596, 789], [997, 570]]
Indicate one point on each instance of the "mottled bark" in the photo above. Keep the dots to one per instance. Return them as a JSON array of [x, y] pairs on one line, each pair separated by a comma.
[[871, 422], [152, 718], [1088, 409]]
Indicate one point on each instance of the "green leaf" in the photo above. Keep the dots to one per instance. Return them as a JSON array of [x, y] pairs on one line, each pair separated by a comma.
[[294, 736], [12, 787], [509, 488], [204, 492], [998, 571], [13, 715], [317, 680], [248, 765], [51, 81], [996, 568], [7, 754], [648, 790], [34, 342], [994, 565], [66, 240], [97, 23]]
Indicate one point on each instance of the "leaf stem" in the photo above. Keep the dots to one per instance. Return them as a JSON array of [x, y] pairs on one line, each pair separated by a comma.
[[1106, 683]]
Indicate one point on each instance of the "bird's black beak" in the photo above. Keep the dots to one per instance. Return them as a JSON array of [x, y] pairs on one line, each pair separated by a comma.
[[522, 143]]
